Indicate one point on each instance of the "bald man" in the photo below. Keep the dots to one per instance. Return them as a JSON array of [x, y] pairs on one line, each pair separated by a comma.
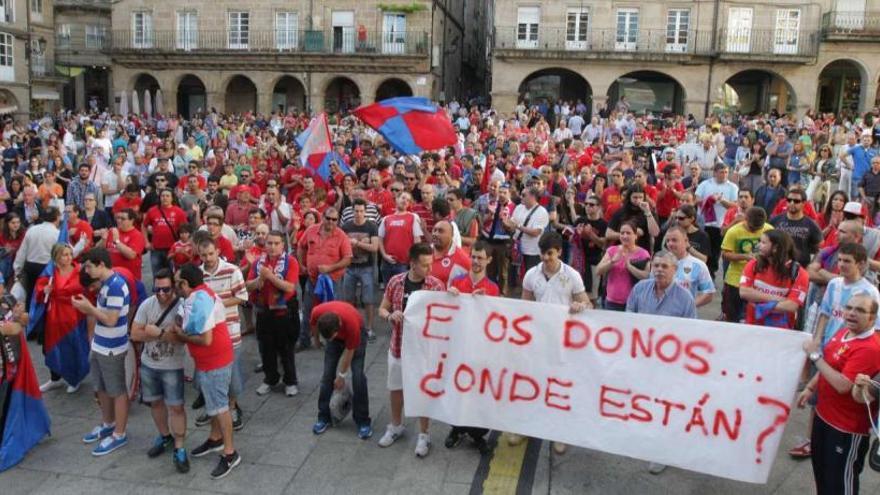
[[449, 261]]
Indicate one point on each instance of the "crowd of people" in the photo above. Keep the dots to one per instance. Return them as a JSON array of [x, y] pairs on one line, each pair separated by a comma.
[[622, 210]]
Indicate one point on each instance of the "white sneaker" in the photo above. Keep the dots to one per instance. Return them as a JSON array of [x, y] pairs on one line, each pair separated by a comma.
[[72, 390], [291, 390], [656, 468], [51, 385], [264, 389], [423, 445], [392, 433], [514, 439]]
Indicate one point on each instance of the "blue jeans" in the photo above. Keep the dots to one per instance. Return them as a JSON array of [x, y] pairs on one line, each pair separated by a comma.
[[158, 259], [367, 279], [360, 399], [308, 300]]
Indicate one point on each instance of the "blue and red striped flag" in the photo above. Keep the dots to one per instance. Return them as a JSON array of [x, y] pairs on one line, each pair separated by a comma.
[[316, 149], [67, 343], [410, 124], [23, 417]]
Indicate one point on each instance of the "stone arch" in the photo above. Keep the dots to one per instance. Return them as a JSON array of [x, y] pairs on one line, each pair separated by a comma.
[[758, 91], [393, 87], [555, 83], [288, 93], [8, 103], [341, 93], [192, 95], [842, 86], [143, 83], [651, 90], [241, 94]]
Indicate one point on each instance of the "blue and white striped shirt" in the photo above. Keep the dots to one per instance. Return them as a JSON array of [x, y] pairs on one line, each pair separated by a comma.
[[113, 295]]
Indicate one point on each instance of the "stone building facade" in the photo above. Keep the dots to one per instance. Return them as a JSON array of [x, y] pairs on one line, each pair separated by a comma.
[[689, 57], [82, 36], [239, 56]]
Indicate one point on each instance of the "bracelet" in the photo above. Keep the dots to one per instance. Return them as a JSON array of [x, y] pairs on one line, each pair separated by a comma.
[[342, 375]]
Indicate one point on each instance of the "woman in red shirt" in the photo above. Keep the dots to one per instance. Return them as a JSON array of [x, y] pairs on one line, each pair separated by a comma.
[[773, 284], [10, 240]]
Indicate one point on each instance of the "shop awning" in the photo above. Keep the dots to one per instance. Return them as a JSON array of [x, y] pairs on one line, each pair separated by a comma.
[[8, 109], [45, 94], [69, 71]]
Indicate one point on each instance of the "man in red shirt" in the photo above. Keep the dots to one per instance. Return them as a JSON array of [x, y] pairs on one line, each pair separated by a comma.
[[449, 261], [841, 425], [398, 232], [272, 282], [474, 282], [161, 226], [340, 324], [612, 196], [126, 244], [378, 195], [323, 249], [423, 209]]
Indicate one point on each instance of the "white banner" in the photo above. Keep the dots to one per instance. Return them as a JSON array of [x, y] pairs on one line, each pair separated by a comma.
[[702, 395]]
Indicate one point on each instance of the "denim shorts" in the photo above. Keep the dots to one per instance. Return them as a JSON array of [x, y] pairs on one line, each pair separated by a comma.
[[214, 385], [367, 279], [164, 385]]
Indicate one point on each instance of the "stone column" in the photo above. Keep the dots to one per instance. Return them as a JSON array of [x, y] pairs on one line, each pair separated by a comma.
[[79, 92], [696, 107], [216, 99], [504, 101], [264, 102]]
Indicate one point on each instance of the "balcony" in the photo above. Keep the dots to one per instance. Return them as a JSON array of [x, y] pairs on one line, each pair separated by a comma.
[[339, 41], [654, 45], [851, 26], [77, 49]]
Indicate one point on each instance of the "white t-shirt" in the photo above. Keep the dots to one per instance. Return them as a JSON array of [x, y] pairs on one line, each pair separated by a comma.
[[559, 289], [159, 355], [539, 220], [109, 179], [837, 295]]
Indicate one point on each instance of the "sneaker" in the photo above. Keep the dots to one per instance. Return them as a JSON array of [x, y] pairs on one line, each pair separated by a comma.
[[559, 448], [51, 385], [258, 368], [423, 446], [159, 445], [392, 433], [199, 402], [207, 447], [264, 389], [237, 423], [291, 390], [371, 336], [513, 439], [226, 465], [320, 427], [203, 419], [181, 461], [453, 440], [656, 468], [365, 432], [109, 444], [72, 389], [802, 450], [99, 432]]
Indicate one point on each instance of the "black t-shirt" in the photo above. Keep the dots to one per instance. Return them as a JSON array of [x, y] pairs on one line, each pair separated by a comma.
[[368, 229], [700, 241], [592, 252], [409, 287], [805, 234]]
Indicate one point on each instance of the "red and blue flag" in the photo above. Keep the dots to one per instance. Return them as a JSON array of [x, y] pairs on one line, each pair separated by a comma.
[[410, 124], [66, 343], [316, 149], [23, 417]]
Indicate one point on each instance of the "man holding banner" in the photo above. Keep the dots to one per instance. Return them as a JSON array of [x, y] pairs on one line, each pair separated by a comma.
[[552, 281]]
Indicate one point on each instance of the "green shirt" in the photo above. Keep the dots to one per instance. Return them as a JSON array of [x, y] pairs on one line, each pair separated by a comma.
[[740, 240]]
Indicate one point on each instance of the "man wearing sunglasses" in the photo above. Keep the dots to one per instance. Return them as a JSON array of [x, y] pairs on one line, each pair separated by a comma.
[[162, 368], [802, 229]]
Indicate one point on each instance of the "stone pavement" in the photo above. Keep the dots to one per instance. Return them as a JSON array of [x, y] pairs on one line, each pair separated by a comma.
[[281, 455]]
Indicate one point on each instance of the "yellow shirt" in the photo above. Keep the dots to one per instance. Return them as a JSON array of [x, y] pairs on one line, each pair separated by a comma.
[[740, 240]]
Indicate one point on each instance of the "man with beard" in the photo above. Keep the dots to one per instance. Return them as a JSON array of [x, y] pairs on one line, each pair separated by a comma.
[[449, 261]]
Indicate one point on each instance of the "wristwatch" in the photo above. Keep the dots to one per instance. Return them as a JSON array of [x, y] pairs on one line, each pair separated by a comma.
[[815, 356], [342, 375]]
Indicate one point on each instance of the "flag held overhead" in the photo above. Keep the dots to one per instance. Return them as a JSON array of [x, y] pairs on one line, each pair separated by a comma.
[[411, 125]]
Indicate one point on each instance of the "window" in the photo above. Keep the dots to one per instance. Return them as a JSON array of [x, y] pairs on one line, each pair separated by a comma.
[[678, 22], [239, 30], [739, 30], [342, 22], [577, 23], [38, 58], [95, 36], [286, 30], [62, 36], [7, 11], [394, 33], [141, 30], [187, 30], [788, 23], [627, 29], [7, 71], [37, 7], [527, 22]]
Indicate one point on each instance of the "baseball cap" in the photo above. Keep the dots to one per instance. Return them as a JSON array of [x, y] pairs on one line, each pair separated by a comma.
[[853, 208]]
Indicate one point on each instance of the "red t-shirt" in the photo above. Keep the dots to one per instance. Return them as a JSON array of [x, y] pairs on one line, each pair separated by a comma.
[[181, 252], [123, 202], [350, 330], [768, 282], [134, 239], [227, 251], [184, 182], [451, 265], [163, 235], [324, 250], [465, 285], [668, 201], [611, 201], [82, 229], [398, 235], [268, 295], [383, 199], [849, 357]]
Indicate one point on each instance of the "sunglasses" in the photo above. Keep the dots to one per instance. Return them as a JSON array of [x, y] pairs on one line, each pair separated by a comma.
[[332, 219], [681, 217], [795, 200], [396, 189], [161, 290], [411, 178], [592, 204]]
